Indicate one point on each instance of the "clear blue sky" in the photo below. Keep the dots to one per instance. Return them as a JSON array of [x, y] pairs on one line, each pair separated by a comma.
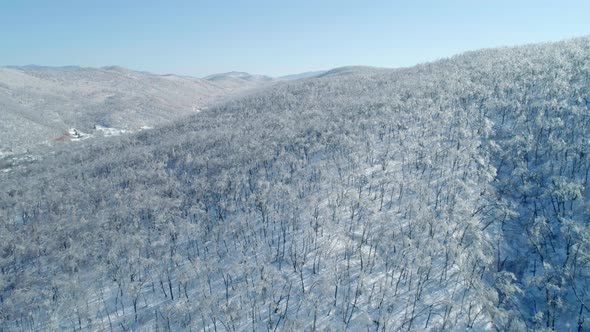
[[272, 37]]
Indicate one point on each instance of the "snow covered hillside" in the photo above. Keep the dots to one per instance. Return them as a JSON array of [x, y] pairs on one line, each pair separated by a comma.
[[235, 79], [39, 105], [451, 195]]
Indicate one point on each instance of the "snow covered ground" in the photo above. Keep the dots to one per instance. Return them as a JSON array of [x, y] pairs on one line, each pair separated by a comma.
[[448, 196]]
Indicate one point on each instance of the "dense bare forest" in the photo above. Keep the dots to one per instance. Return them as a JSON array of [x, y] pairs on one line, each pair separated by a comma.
[[451, 195]]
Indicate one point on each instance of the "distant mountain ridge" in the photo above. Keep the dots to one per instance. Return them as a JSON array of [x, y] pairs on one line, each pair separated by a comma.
[[308, 74], [238, 75], [39, 103]]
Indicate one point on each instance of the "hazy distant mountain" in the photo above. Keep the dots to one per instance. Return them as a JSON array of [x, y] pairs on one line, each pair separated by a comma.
[[354, 70], [300, 76], [237, 80], [39, 105], [238, 75]]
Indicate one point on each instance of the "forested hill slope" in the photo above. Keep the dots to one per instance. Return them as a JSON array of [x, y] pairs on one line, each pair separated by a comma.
[[38, 105], [447, 196]]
